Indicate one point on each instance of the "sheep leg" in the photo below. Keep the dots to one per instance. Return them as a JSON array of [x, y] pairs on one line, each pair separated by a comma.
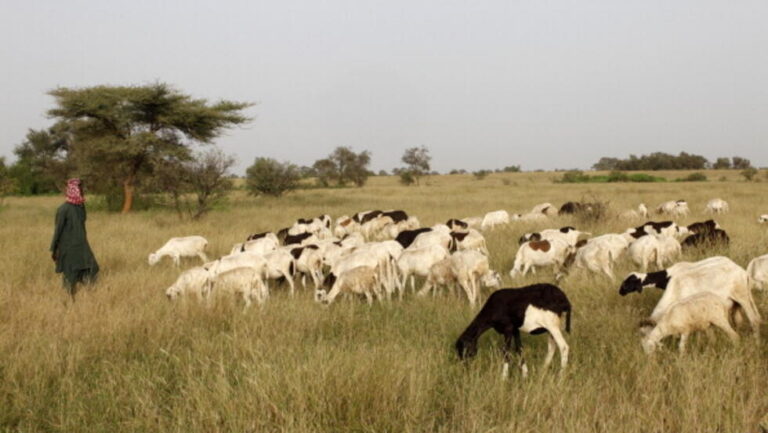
[[425, 288], [551, 345], [554, 331], [413, 283], [289, 278], [723, 324], [683, 340], [508, 338], [519, 351], [176, 260], [369, 297]]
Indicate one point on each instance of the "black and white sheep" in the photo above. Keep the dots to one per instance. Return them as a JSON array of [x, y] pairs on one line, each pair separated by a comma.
[[533, 309]]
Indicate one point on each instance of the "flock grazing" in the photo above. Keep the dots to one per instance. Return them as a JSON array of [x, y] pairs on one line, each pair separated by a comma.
[[378, 255]]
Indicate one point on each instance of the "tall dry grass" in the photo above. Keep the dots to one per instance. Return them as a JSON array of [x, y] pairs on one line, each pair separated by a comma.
[[123, 358]]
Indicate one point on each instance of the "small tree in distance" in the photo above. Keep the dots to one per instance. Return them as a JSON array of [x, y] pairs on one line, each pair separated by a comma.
[[722, 164], [270, 177], [417, 159]]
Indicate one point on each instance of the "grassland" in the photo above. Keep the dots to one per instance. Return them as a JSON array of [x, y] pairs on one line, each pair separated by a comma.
[[124, 359]]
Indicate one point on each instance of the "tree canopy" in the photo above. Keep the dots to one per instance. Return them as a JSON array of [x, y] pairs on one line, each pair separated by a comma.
[[417, 160], [118, 133], [343, 165]]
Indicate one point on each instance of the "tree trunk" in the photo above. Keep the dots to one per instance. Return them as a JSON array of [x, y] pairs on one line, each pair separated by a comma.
[[128, 190]]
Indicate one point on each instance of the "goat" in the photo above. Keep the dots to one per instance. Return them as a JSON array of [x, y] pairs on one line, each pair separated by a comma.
[[533, 309]]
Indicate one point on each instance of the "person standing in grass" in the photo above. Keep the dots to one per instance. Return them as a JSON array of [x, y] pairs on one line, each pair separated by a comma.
[[69, 248]]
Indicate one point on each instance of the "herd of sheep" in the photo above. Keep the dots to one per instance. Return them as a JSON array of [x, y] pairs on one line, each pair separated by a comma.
[[376, 254]]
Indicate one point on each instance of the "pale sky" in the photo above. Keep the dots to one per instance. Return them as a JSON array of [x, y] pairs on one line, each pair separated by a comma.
[[483, 84]]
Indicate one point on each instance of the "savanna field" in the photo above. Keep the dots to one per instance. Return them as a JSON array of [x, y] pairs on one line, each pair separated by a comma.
[[123, 358]]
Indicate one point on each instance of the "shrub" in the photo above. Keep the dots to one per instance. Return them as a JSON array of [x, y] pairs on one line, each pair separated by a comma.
[[270, 177], [693, 177], [481, 174], [406, 177], [749, 173]]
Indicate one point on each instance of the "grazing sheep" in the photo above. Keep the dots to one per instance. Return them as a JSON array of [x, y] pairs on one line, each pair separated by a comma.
[[545, 208], [600, 253], [716, 206], [709, 239], [656, 249], [191, 281], [758, 272], [362, 280], [406, 237], [438, 236], [261, 245], [457, 225], [244, 280], [718, 275], [493, 219], [472, 269], [309, 261], [469, 240], [569, 234], [763, 218], [280, 265], [531, 254], [675, 209], [640, 212], [703, 227], [300, 239], [176, 248], [417, 261], [533, 309], [693, 313]]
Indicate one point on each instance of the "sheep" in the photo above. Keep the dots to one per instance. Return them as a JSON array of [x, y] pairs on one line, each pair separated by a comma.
[[640, 212], [360, 280], [280, 265], [440, 274], [533, 309], [693, 313], [758, 272], [372, 229], [176, 248], [261, 245], [665, 228], [300, 239], [708, 239], [717, 206], [541, 253], [457, 225], [469, 240], [703, 227], [244, 280], [345, 225], [763, 218], [656, 249], [493, 219], [569, 234], [544, 208], [473, 222], [599, 253], [719, 275], [391, 231], [191, 281], [472, 269], [678, 208], [309, 261], [437, 236], [344, 263], [406, 237], [417, 261]]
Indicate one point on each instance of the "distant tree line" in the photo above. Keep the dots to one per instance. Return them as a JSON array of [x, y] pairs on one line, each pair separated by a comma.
[[666, 161]]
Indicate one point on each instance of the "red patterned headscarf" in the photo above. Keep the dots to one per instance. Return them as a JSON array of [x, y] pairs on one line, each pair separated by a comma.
[[73, 193]]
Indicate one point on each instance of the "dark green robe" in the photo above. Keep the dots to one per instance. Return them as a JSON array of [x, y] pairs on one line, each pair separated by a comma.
[[70, 245]]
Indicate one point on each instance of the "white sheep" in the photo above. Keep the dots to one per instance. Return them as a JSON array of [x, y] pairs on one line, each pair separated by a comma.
[[191, 281], [261, 246], [176, 248], [656, 249], [693, 313], [763, 218], [468, 240], [716, 206], [678, 208], [417, 261], [243, 280], [492, 219], [545, 208], [758, 272], [600, 253], [362, 280], [472, 269]]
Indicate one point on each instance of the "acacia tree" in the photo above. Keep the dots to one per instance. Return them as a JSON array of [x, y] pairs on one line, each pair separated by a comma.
[[42, 163], [120, 132], [417, 159]]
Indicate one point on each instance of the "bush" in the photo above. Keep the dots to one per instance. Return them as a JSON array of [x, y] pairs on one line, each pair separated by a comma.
[[578, 176], [749, 173], [481, 174], [406, 177], [270, 177], [693, 177]]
